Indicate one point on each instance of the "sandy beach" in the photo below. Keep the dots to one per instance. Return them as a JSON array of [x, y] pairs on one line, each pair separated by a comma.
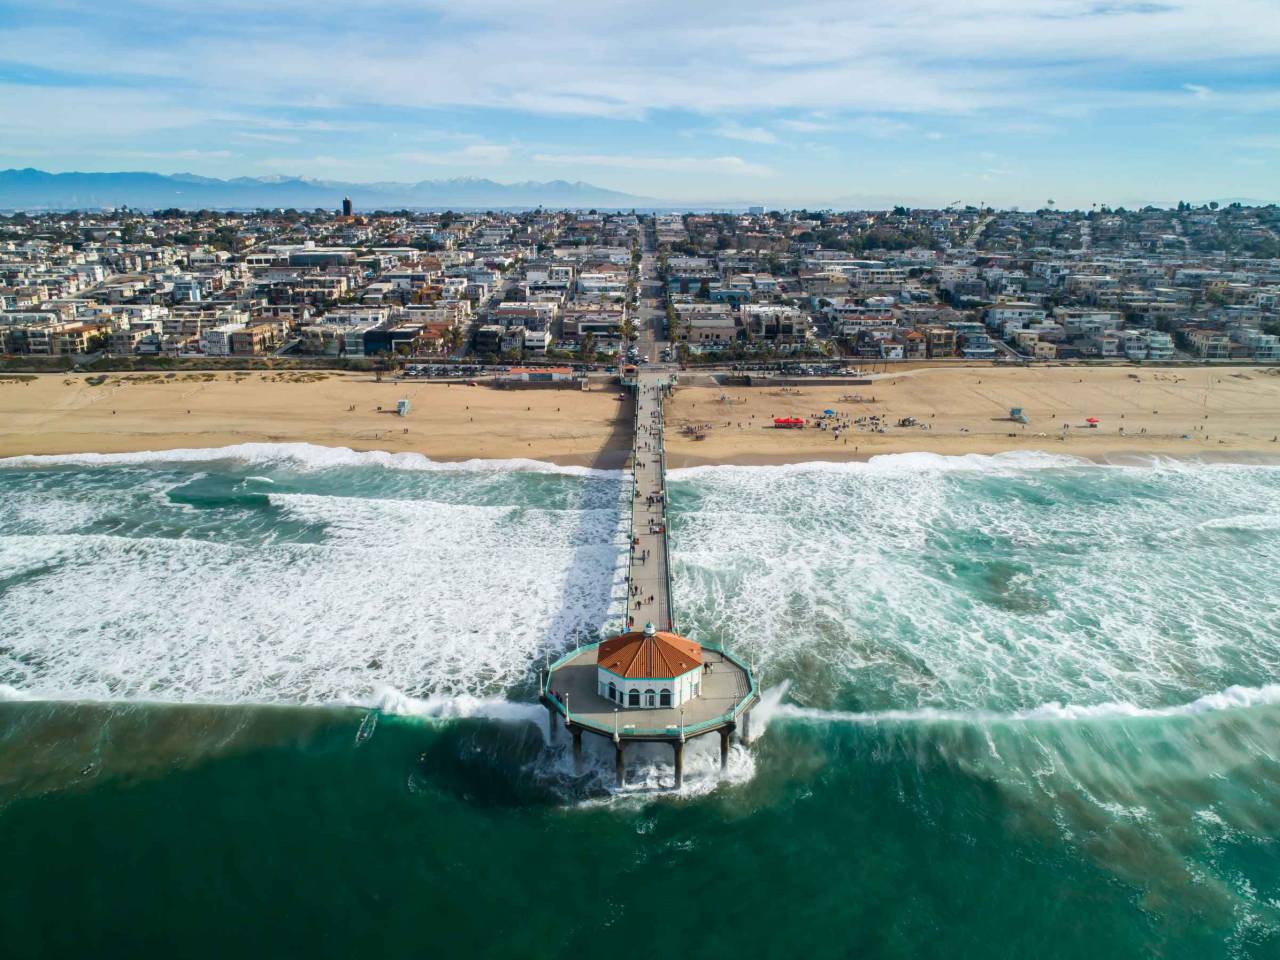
[[128, 413], [1224, 413], [1211, 413]]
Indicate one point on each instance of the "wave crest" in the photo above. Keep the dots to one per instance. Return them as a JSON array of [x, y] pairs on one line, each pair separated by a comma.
[[305, 455], [1232, 698]]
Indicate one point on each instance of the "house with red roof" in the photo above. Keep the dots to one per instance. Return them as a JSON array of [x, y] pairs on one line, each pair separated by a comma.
[[649, 669]]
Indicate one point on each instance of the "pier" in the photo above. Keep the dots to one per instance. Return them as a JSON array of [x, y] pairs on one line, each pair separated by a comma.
[[649, 571], [649, 684]]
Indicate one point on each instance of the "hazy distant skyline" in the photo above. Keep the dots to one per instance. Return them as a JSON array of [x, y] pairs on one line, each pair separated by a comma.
[[926, 101]]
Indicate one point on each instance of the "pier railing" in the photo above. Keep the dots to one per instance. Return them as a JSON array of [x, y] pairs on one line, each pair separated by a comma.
[[635, 492], [666, 530], [662, 483], [630, 729]]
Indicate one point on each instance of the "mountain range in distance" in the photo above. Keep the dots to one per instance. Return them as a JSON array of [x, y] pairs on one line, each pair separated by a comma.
[[30, 189]]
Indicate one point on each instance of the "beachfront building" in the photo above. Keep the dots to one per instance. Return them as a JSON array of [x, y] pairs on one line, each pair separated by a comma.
[[649, 669], [1209, 344], [216, 341]]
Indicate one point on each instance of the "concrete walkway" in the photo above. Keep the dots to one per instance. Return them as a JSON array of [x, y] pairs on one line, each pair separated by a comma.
[[648, 577]]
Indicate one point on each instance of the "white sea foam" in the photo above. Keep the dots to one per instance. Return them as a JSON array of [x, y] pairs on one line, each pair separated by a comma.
[[987, 588], [298, 455], [1247, 521], [442, 707], [650, 767], [916, 583], [1233, 698], [771, 702], [897, 463], [412, 594], [12, 693], [650, 771]]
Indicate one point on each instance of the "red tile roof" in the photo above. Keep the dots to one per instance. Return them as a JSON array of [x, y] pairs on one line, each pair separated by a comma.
[[637, 655]]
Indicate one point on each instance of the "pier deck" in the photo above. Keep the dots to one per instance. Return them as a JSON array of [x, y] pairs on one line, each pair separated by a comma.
[[570, 687], [649, 574], [724, 687]]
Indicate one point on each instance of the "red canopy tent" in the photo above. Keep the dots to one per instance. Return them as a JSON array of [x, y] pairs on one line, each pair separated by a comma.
[[788, 422]]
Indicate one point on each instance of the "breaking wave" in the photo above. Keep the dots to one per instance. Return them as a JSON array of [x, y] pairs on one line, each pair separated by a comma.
[[1233, 698], [944, 586], [307, 456], [897, 463]]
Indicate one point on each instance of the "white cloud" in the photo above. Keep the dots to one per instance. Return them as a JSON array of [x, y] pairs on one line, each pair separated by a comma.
[[47, 114], [266, 137], [192, 155], [882, 128], [733, 130], [476, 154], [571, 57], [309, 165], [807, 126], [720, 165], [366, 95]]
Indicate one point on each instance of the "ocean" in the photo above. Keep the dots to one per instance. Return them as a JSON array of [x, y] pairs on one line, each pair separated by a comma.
[[1015, 705]]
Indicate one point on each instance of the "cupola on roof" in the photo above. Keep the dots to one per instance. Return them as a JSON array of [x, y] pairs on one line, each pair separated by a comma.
[[649, 654]]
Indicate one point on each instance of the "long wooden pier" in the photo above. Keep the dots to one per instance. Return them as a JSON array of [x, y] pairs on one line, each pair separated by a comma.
[[649, 571], [570, 687]]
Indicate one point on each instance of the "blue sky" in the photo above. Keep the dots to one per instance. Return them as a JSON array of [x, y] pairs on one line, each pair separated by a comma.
[[1009, 102]]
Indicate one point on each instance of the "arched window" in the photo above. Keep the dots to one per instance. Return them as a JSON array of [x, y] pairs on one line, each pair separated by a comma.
[[613, 691], [633, 698], [665, 698], [649, 699]]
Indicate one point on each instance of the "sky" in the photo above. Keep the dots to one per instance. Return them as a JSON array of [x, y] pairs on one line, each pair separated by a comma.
[[807, 102]]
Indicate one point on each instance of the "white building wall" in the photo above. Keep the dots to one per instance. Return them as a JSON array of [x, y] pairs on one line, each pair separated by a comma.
[[683, 688], [216, 341]]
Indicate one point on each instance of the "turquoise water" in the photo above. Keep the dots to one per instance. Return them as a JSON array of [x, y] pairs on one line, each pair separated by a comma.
[[1016, 706]]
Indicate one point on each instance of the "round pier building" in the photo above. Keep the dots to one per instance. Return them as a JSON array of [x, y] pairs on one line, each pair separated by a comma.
[[649, 669]]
